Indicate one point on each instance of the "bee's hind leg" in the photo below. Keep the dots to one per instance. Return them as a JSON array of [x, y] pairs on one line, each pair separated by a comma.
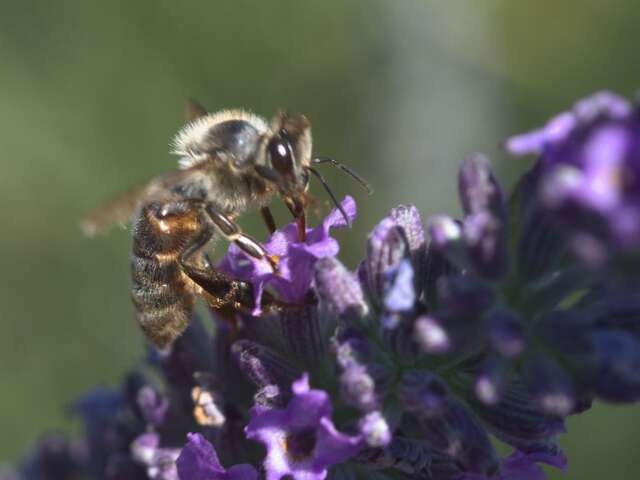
[[223, 293], [219, 289]]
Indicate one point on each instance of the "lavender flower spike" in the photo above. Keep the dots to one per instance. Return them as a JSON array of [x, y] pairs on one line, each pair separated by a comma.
[[301, 439]]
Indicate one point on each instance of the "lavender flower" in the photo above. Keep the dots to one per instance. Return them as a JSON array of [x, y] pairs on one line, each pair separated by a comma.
[[588, 163], [301, 440], [296, 259], [491, 329]]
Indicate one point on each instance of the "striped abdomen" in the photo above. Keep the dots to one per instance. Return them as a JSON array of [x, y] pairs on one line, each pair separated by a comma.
[[162, 294]]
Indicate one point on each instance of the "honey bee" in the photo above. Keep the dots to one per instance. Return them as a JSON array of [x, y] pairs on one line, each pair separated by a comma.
[[229, 162]]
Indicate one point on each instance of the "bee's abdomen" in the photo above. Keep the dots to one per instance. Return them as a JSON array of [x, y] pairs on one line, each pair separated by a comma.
[[162, 295]]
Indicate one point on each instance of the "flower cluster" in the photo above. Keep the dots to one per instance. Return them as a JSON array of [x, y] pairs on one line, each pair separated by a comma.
[[494, 326]]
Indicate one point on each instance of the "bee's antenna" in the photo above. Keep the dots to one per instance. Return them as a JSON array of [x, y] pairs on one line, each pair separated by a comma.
[[345, 169], [333, 197]]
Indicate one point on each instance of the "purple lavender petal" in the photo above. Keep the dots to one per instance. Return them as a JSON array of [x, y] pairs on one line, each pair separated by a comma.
[[296, 259], [198, 460], [301, 439], [400, 294]]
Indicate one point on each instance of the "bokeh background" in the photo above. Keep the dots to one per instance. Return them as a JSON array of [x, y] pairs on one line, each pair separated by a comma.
[[91, 93]]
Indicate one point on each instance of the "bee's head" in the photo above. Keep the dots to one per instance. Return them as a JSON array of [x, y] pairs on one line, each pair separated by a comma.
[[287, 155], [288, 163]]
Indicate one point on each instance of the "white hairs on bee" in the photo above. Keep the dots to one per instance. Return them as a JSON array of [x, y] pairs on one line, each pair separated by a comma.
[[188, 140]]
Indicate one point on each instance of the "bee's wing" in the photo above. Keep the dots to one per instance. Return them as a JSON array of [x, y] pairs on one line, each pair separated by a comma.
[[193, 110], [121, 209]]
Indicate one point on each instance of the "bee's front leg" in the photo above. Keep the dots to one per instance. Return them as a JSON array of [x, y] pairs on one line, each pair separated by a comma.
[[268, 219], [232, 232]]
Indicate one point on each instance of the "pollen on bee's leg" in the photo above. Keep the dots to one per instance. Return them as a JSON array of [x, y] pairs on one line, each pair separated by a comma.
[[274, 261]]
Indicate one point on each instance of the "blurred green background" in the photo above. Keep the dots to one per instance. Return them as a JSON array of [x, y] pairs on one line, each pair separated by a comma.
[[402, 90]]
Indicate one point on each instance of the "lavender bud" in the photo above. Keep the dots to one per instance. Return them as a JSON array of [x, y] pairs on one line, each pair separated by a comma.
[[375, 430], [478, 188], [485, 239], [447, 238], [358, 388], [490, 381], [407, 217], [262, 365], [436, 267], [431, 336], [339, 289], [386, 248], [400, 294], [363, 375]]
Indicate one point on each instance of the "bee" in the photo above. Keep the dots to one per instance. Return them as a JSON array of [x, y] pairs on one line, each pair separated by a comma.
[[229, 162]]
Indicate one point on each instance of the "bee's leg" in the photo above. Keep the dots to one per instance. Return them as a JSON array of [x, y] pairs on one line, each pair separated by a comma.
[[219, 288], [269, 221], [223, 293], [232, 233]]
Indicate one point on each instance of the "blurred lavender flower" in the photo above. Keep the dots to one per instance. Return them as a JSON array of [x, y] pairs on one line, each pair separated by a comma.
[[508, 320], [589, 160]]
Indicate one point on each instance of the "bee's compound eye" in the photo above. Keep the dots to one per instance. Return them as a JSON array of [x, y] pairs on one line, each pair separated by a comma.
[[281, 156]]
